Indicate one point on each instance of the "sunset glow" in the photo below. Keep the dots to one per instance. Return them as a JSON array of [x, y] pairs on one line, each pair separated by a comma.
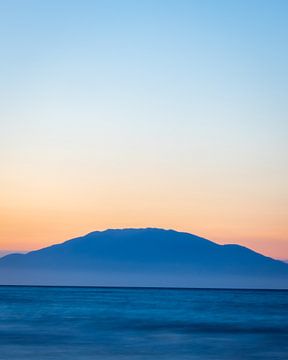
[[144, 117]]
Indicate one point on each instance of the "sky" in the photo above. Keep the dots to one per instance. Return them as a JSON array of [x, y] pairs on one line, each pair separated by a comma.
[[118, 114]]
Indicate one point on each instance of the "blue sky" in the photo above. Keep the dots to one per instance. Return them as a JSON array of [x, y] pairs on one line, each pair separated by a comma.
[[157, 113]]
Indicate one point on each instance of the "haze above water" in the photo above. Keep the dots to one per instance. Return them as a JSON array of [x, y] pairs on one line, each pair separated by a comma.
[[106, 323]]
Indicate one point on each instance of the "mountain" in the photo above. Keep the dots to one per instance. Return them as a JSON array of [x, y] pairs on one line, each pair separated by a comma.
[[4, 252], [144, 257]]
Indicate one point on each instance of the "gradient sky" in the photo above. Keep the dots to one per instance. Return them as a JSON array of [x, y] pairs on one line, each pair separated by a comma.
[[144, 113]]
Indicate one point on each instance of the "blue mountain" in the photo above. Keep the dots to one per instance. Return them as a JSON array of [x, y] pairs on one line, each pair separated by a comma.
[[144, 257]]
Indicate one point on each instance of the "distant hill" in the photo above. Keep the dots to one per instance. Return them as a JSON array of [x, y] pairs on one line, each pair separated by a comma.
[[144, 257], [5, 252]]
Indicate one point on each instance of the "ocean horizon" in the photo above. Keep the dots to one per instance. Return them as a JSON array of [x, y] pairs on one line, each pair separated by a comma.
[[144, 202], [142, 287]]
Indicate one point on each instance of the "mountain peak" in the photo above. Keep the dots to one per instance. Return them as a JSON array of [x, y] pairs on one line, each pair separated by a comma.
[[144, 257], [121, 230]]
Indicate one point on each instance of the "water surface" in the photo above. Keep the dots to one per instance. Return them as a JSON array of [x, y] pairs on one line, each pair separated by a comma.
[[109, 323]]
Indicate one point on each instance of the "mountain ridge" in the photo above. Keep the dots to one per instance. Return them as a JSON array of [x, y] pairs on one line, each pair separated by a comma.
[[144, 256]]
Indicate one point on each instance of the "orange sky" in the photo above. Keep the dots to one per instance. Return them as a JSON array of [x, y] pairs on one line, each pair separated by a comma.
[[43, 213], [144, 115]]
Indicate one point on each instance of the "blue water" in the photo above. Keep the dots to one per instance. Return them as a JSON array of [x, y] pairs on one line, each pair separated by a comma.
[[98, 323]]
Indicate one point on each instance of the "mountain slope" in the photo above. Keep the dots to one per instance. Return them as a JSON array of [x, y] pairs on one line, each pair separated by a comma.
[[144, 257]]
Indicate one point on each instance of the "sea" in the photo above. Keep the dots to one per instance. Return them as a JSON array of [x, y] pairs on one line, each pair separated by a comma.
[[77, 323]]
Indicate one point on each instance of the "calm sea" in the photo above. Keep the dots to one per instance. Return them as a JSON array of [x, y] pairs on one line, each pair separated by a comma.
[[106, 323]]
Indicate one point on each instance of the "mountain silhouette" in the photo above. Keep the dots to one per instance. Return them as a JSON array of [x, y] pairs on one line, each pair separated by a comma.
[[144, 257]]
